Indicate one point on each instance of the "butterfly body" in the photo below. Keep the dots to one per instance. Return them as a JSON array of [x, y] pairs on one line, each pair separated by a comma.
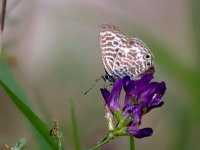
[[123, 56]]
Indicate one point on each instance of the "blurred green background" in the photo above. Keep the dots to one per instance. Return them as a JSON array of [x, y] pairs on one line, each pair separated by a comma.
[[52, 48]]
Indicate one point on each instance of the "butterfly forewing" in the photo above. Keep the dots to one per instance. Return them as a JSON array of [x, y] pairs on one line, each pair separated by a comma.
[[123, 56], [111, 40]]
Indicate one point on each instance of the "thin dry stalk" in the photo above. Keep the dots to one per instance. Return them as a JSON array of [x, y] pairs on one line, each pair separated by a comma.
[[3, 13]]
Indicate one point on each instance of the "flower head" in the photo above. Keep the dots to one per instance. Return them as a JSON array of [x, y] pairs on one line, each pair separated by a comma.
[[141, 96]]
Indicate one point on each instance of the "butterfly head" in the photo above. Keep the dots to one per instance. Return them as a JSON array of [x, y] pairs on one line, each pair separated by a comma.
[[108, 78]]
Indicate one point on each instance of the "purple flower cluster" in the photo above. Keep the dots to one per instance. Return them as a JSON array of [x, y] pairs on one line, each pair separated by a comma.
[[141, 96]]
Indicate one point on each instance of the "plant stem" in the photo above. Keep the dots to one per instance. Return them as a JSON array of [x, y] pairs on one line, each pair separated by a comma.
[[3, 13], [103, 142], [132, 143]]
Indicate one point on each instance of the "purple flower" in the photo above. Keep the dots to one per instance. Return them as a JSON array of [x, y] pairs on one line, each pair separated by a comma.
[[145, 93], [140, 133], [112, 99], [141, 96]]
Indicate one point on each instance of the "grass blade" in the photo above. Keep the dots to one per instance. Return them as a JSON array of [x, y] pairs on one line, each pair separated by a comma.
[[132, 143], [18, 96], [74, 127]]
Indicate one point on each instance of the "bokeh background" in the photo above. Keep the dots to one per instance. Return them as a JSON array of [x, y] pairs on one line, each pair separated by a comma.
[[52, 48]]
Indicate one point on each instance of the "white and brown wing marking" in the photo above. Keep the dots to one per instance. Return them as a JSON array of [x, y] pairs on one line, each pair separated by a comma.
[[123, 56], [111, 41]]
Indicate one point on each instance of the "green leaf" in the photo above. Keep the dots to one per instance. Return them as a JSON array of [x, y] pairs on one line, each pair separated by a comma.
[[74, 128], [18, 96], [132, 143]]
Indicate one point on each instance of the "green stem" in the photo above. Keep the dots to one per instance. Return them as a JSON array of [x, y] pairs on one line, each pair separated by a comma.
[[132, 143], [103, 142]]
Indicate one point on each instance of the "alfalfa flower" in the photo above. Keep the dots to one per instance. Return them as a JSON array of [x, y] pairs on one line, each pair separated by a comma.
[[141, 96]]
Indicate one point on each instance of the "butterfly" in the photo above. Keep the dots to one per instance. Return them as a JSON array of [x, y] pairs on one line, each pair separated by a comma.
[[123, 56]]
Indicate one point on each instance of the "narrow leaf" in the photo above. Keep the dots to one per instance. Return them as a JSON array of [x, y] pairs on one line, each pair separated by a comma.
[[18, 96], [74, 128]]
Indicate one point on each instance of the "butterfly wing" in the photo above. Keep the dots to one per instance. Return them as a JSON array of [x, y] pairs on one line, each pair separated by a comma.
[[111, 42], [132, 60], [123, 56]]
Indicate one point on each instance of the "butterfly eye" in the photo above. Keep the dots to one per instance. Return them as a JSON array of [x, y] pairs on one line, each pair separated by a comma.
[[106, 77]]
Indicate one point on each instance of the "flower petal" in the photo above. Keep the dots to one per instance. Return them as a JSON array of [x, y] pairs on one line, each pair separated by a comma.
[[141, 133], [143, 81], [154, 106], [126, 81], [134, 88], [158, 94], [127, 100], [151, 95], [115, 95], [106, 94], [147, 93], [134, 111]]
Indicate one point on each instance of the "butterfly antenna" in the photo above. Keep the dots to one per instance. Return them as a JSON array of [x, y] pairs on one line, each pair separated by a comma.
[[96, 81]]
